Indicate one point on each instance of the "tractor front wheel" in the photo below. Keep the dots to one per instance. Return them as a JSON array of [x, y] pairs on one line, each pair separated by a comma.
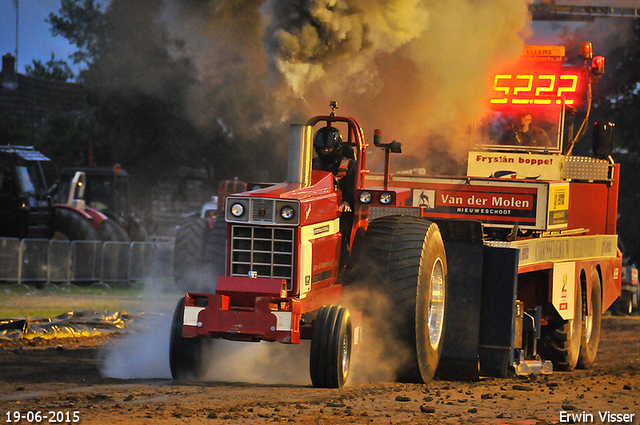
[[185, 354], [331, 347]]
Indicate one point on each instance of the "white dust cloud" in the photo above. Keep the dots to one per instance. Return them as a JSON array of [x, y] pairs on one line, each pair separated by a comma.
[[381, 355], [258, 362], [143, 353]]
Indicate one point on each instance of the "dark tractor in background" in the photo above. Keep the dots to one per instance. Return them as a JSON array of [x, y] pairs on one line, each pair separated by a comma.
[[26, 207], [107, 191]]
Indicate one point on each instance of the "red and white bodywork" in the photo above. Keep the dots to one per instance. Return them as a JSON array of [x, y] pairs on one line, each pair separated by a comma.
[[278, 269], [529, 232]]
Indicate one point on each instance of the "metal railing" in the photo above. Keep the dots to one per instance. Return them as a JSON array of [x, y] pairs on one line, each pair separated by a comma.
[[58, 262]]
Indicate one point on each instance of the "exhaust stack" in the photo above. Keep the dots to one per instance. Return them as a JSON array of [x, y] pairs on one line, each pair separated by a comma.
[[300, 154]]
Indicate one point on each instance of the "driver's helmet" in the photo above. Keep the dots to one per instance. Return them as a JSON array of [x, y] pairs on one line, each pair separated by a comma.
[[328, 143]]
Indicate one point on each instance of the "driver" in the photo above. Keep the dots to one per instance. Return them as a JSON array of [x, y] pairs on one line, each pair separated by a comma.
[[337, 158], [332, 156], [522, 133]]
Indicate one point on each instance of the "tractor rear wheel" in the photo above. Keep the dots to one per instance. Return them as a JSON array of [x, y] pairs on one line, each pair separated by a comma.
[[68, 224], [110, 231], [188, 255], [185, 354], [216, 248], [591, 324], [331, 344], [137, 231], [560, 340], [404, 258]]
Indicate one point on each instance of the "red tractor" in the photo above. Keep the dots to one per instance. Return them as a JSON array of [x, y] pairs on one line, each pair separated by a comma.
[[283, 269], [508, 267]]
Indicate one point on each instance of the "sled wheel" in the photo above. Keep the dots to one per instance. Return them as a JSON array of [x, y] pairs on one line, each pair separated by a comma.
[[331, 347], [404, 258], [626, 302], [591, 324], [185, 354], [68, 224], [560, 341]]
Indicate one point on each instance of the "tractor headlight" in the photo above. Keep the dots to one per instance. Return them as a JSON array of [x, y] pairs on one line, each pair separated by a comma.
[[287, 212], [237, 210], [365, 197], [385, 198]]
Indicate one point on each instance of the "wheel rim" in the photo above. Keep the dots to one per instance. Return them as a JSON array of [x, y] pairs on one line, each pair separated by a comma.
[[588, 325], [345, 360], [436, 304]]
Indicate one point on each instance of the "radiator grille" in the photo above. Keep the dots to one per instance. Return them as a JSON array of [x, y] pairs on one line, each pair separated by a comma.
[[265, 250]]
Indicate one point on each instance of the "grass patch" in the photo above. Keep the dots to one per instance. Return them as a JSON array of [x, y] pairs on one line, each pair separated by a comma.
[[49, 301]]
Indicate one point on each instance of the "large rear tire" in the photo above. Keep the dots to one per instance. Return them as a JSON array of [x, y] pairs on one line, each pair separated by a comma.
[[110, 230], [216, 249], [189, 268], [70, 225], [137, 231], [331, 344], [560, 341], [591, 324], [185, 354], [404, 257]]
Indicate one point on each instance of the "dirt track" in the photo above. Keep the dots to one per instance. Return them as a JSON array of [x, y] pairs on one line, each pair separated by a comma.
[[64, 376]]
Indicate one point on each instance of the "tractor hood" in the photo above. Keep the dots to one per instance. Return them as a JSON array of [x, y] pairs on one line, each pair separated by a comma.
[[321, 184], [286, 204]]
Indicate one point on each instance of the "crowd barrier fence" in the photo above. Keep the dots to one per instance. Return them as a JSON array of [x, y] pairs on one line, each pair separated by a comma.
[[59, 261]]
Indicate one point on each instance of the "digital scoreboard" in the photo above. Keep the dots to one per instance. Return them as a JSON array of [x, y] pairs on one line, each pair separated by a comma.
[[539, 78], [542, 87]]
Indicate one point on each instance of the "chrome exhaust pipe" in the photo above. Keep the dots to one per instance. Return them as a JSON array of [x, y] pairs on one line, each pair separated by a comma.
[[300, 154]]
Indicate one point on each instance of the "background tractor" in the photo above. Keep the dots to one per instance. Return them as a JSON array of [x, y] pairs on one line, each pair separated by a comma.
[[104, 190], [26, 207]]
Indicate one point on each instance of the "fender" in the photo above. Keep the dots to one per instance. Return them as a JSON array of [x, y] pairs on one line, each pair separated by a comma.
[[464, 247], [96, 216]]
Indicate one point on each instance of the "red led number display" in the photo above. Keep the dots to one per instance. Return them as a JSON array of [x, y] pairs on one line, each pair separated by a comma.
[[514, 88]]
